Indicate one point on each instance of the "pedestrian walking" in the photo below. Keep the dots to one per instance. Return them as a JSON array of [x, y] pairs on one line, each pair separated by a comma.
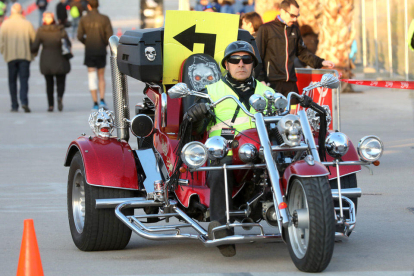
[[76, 12], [42, 6], [62, 14], [251, 22], [53, 65], [94, 31], [279, 42], [16, 35]]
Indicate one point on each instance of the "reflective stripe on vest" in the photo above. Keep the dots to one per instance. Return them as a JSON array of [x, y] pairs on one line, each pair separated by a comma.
[[226, 109]]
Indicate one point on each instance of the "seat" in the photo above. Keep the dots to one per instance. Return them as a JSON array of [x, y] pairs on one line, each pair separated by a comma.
[[197, 71]]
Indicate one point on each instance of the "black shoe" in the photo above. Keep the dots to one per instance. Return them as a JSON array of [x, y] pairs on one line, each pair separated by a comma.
[[60, 104], [13, 110], [50, 109], [227, 250], [26, 108]]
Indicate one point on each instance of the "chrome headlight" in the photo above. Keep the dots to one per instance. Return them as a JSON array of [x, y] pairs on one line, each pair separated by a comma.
[[370, 148], [248, 153], [314, 120], [216, 147], [194, 155], [257, 102], [290, 129], [337, 144]]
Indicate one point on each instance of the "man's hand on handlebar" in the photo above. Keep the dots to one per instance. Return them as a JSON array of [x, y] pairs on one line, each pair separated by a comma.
[[197, 112]]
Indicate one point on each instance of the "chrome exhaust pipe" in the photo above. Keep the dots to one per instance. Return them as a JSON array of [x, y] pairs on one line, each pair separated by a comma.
[[119, 93], [350, 192]]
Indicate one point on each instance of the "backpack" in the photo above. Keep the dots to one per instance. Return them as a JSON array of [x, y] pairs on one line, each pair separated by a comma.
[[74, 12]]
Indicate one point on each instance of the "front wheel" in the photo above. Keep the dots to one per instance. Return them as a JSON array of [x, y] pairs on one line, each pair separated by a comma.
[[311, 230], [94, 229]]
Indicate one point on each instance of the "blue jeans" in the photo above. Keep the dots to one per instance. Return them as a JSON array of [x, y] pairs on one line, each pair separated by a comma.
[[75, 23], [19, 68]]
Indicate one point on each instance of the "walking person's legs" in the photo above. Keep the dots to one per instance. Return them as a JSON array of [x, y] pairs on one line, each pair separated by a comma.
[[93, 86], [49, 91], [41, 17], [60, 82], [24, 74], [13, 72]]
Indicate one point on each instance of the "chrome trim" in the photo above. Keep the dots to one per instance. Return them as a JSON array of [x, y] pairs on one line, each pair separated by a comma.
[[234, 99], [193, 223], [149, 163], [307, 133], [164, 100], [341, 211], [137, 202], [346, 163], [230, 167], [349, 192], [349, 223], [183, 182], [272, 170], [226, 192], [237, 239]]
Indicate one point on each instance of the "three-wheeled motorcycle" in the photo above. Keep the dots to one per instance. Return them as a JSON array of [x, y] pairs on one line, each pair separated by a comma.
[[291, 172]]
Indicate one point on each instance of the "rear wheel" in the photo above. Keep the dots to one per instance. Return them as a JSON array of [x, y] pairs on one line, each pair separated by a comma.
[[311, 231], [94, 229]]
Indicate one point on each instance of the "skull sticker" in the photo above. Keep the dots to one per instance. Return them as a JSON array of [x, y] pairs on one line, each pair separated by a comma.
[[202, 73], [102, 123], [150, 53]]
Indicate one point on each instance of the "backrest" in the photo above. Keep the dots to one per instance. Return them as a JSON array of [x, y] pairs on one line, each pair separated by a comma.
[[197, 71]]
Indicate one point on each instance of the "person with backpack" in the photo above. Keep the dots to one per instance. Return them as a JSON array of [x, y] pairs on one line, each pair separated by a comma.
[[94, 31], [41, 5], [76, 10]]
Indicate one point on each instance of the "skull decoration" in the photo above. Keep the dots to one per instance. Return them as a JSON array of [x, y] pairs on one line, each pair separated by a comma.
[[202, 74], [150, 53], [314, 119], [290, 129], [102, 123]]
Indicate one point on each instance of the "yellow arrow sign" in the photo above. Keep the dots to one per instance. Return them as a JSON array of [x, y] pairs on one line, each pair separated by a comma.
[[190, 32]]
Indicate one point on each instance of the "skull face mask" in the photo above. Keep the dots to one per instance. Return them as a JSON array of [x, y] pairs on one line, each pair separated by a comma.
[[102, 123], [290, 129], [150, 53]]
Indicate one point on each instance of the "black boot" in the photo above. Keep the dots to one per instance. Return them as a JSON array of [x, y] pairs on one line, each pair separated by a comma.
[[227, 250]]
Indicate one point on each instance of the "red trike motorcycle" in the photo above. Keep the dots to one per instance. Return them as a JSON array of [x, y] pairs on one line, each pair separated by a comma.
[[280, 166]]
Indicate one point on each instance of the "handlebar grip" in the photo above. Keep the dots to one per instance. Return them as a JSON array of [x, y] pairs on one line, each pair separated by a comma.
[[317, 107]]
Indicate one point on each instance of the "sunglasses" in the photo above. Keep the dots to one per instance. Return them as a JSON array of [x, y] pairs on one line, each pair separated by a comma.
[[292, 15], [236, 59]]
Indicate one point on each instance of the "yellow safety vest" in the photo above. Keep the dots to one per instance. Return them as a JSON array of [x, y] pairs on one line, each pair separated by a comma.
[[226, 110]]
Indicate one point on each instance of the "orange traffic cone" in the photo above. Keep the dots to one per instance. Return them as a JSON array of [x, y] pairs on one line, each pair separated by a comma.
[[119, 33], [29, 260]]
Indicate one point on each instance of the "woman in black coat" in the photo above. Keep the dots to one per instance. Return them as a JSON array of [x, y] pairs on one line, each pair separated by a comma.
[[52, 63]]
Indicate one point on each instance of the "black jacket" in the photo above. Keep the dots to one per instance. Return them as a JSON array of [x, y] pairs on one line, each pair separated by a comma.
[[41, 4], [61, 13], [94, 31], [271, 42], [51, 60]]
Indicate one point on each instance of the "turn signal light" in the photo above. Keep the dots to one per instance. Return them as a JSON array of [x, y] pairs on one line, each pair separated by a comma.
[[282, 205], [376, 163], [183, 170]]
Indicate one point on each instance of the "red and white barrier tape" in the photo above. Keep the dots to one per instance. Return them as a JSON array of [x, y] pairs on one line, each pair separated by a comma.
[[386, 84]]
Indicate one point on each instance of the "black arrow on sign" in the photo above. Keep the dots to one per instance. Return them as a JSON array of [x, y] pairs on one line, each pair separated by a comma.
[[188, 37]]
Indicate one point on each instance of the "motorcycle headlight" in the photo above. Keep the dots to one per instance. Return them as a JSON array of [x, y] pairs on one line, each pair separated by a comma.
[[216, 147], [290, 129], [337, 144], [370, 148], [194, 155], [257, 102]]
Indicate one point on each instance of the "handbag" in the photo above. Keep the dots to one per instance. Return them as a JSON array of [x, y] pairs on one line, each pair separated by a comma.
[[66, 49]]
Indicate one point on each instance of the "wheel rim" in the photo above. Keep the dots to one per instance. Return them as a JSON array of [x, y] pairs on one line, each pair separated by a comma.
[[78, 201], [299, 236]]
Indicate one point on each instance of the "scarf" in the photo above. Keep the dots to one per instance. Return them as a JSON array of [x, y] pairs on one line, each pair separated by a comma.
[[243, 89]]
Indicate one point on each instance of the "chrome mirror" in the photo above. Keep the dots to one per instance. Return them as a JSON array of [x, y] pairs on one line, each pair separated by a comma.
[[329, 81], [179, 90], [257, 102]]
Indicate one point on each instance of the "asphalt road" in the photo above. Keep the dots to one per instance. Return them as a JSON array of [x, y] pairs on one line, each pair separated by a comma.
[[33, 185]]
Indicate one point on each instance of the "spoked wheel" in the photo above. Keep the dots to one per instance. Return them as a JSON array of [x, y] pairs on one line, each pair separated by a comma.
[[311, 231], [94, 229]]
